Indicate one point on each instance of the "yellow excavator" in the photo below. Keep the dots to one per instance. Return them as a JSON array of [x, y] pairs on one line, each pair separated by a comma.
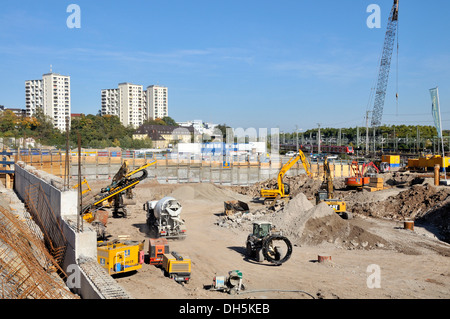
[[326, 193], [283, 190], [112, 196]]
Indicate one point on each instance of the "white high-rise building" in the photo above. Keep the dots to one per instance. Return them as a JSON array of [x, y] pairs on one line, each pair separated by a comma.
[[111, 102], [157, 101], [134, 105], [52, 95], [34, 96]]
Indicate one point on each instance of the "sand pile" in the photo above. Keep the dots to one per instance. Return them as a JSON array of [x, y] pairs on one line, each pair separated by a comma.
[[306, 224], [206, 192]]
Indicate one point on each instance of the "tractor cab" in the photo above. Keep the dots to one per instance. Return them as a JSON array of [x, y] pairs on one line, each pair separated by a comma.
[[261, 229]]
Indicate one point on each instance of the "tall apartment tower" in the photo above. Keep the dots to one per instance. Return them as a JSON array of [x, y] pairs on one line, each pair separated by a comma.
[[157, 101], [52, 95], [111, 102], [132, 104], [34, 96]]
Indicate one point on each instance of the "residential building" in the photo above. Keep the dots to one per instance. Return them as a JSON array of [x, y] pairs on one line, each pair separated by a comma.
[[34, 96], [18, 112], [200, 126], [157, 101], [134, 105], [110, 102], [52, 95], [163, 135]]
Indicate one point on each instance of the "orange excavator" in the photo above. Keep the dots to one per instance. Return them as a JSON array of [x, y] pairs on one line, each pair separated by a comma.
[[361, 177]]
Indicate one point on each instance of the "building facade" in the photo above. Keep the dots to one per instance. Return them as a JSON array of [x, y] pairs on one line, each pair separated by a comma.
[[52, 96], [157, 100], [111, 102], [134, 105]]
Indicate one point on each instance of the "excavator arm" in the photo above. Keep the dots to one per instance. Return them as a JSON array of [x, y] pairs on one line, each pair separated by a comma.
[[281, 191]]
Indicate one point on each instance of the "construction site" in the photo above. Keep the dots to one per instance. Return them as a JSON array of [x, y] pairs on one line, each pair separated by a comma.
[[300, 225], [305, 233]]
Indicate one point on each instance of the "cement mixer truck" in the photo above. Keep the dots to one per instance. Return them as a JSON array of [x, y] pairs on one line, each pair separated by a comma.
[[163, 218]]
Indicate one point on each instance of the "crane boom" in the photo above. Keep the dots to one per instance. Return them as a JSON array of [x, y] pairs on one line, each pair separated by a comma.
[[385, 65]]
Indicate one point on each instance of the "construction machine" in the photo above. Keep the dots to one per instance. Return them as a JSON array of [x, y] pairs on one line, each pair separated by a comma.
[[112, 196], [163, 218], [157, 247], [326, 193], [361, 177], [231, 284], [283, 190], [177, 267], [266, 243], [120, 256]]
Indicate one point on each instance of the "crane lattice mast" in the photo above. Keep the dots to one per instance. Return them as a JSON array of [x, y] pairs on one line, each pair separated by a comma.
[[385, 66]]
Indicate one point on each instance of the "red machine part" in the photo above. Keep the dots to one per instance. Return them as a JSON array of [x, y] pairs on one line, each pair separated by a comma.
[[157, 247]]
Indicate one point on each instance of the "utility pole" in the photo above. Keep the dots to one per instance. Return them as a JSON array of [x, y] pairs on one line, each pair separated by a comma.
[[374, 141], [357, 137], [367, 132], [66, 159]]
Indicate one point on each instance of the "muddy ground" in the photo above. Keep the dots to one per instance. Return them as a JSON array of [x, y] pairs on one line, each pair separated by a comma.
[[372, 255]]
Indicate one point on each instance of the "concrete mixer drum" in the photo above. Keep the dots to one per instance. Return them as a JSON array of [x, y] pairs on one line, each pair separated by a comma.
[[163, 218]]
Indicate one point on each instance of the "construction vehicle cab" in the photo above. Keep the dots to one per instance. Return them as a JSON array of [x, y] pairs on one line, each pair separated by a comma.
[[261, 229], [283, 190]]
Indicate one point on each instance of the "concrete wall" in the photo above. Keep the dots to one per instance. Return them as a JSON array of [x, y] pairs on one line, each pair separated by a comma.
[[64, 206], [62, 203]]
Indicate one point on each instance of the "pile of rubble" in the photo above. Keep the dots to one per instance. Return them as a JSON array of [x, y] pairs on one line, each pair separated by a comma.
[[306, 224]]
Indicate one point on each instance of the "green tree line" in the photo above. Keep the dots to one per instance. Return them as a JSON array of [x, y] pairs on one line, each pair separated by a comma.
[[95, 131]]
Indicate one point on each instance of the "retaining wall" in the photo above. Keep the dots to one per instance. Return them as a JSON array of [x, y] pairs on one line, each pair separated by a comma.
[[81, 244]]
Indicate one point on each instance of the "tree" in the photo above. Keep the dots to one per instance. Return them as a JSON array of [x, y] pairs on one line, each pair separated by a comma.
[[169, 121]]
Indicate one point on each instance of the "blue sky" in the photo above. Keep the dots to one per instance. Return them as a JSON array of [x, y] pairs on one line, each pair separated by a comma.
[[262, 64]]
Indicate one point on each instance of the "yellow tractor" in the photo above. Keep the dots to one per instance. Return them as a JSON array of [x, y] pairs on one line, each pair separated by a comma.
[[283, 190]]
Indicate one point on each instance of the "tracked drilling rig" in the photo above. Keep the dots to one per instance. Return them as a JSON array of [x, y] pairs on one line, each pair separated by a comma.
[[112, 195]]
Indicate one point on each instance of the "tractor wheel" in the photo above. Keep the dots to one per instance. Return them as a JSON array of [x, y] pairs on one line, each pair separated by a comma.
[[269, 242]]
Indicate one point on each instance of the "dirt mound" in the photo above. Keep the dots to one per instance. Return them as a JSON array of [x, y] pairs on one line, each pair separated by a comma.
[[409, 204], [207, 192], [313, 225], [298, 184], [306, 224]]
